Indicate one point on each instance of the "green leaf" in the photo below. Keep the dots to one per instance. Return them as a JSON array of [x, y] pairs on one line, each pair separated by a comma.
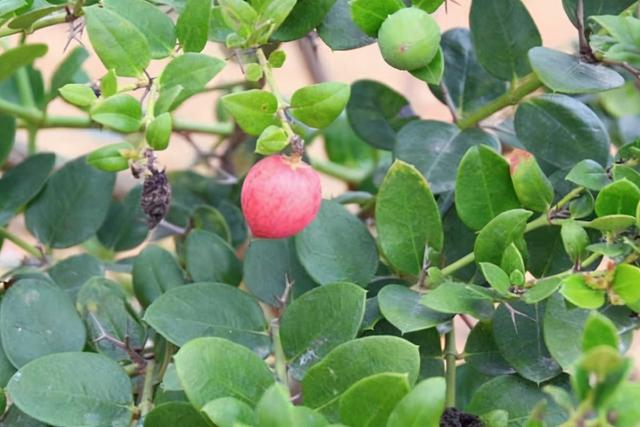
[[345, 148], [407, 218], [595, 7], [621, 102], [192, 27], [541, 290], [518, 335], [542, 121], [71, 273], [274, 408], [422, 406], [566, 73], [7, 136], [272, 140], [370, 401], [156, 26], [38, 318], [187, 74], [612, 222], [254, 110], [25, 20], [305, 16], [455, 297], [370, 14], [517, 396], [436, 149], [626, 283], [245, 376], [240, 16], [312, 325], [599, 330], [433, 72], [155, 271], [275, 12], [104, 308], [618, 198], [376, 112], [208, 218], [503, 32], [184, 313], [338, 30], [111, 158], [403, 309], [337, 247], [171, 414], [621, 172], [229, 412], [482, 352], [575, 240], [320, 104], [497, 278], [14, 417], [68, 71], [624, 404], [329, 379], [109, 84], [11, 60], [575, 290], [118, 43], [498, 234], [562, 327], [94, 390], [158, 132], [61, 222], [79, 95], [120, 112], [268, 263], [589, 174], [23, 182], [533, 188], [483, 187], [208, 258]]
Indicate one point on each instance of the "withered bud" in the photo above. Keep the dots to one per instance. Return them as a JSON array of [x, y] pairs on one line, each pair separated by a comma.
[[156, 191]]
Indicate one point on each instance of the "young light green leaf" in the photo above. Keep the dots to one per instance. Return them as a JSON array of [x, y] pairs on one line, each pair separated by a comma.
[[240, 16], [407, 218], [272, 140], [370, 14], [118, 43], [79, 95], [533, 188], [158, 131], [626, 283], [229, 412], [618, 198], [192, 27], [120, 112], [110, 158], [254, 110], [109, 84], [575, 240], [575, 290], [599, 330], [422, 406], [320, 104]]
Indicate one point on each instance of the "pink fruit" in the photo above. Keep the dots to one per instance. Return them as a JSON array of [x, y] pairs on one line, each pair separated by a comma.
[[280, 197]]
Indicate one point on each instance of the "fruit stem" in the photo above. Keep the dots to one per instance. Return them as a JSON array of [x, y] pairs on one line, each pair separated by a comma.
[[516, 92]]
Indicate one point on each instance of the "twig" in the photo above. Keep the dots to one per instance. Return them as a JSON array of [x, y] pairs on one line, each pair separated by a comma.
[[309, 50], [585, 50], [449, 102]]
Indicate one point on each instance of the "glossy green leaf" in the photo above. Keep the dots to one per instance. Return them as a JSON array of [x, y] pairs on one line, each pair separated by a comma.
[[61, 222], [172, 414], [268, 264], [272, 140], [496, 276], [125, 226], [337, 247], [93, 390], [575, 290], [482, 353], [228, 412], [38, 318], [158, 132], [612, 222], [305, 16], [71, 273], [503, 32], [519, 337], [370, 14], [312, 325], [155, 271], [498, 234], [575, 240], [370, 401], [120, 112], [104, 308], [407, 218], [455, 297], [338, 30], [566, 73], [188, 73], [79, 95], [118, 43], [254, 110], [422, 406], [274, 408], [184, 313], [376, 112], [436, 149], [23, 182], [211, 259], [329, 379], [618, 198], [599, 331], [621, 172], [13, 59], [245, 376], [626, 283], [589, 174], [561, 131], [533, 188], [320, 104], [111, 158], [192, 27], [403, 309], [483, 187]]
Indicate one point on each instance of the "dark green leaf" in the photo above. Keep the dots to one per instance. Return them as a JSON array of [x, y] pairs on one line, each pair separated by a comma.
[[370, 14], [345, 148], [482, 353], [422, 406], [338, 30], [211, 259], [589, 174], [7, 136], [155, 271], [184, 313], [305, 16], [68, 71], [595, 7], [403, 309], [13, 59], [125, 226], [337, 247], [546, 252], [71, 273], [503, 32], [172, 414], [93, 390], [192, 27], [61, 222]]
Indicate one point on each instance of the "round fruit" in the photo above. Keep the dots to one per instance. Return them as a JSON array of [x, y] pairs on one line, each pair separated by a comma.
[[280, 197], [409, 39]]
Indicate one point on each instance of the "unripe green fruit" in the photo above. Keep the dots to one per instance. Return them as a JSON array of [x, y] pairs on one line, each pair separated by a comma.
[[409, 39]]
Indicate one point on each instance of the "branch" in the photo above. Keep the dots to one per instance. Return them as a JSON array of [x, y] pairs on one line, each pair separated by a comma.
[[28, 248], [48, 21], [450, 356]]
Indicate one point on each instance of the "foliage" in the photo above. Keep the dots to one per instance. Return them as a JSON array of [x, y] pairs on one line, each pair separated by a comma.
[[167, 311]]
